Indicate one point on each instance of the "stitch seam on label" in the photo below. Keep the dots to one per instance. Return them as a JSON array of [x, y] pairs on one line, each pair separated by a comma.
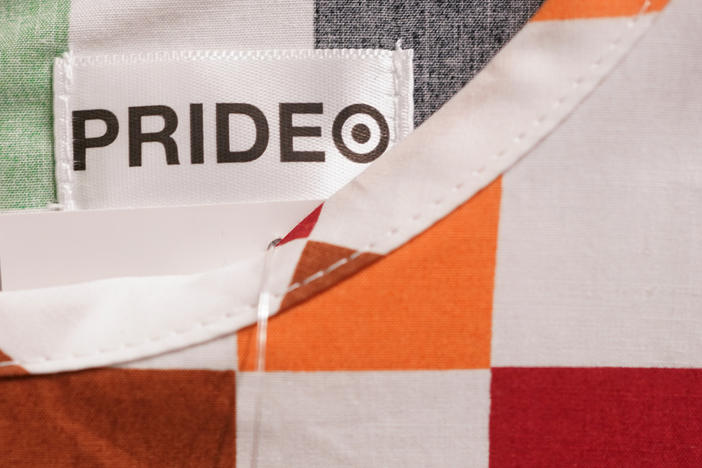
[[403, 91], [395, 100], [556, 104], [204, 55], [64, 173]]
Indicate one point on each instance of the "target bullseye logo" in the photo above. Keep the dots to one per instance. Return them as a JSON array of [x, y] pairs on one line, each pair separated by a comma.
[[359, 131]]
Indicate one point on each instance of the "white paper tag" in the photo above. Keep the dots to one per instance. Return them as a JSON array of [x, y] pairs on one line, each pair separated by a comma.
[[97, 244], [201, 127]]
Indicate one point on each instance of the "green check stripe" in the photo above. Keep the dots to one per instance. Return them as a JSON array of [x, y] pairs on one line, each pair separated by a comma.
[[32, 33]]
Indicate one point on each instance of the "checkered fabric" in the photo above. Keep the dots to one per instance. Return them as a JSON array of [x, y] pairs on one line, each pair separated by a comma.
[[523, 291]]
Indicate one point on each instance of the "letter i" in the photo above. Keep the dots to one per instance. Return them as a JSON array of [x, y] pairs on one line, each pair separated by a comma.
[[196, 138]]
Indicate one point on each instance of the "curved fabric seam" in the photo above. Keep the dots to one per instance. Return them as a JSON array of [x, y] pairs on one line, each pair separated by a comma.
[[575, 84], [155, 339]]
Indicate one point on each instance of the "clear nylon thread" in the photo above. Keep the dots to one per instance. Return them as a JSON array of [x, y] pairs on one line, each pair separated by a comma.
[[263, 312]]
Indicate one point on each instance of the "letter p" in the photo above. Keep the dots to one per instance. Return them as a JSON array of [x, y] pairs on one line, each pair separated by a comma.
[[81, 143]]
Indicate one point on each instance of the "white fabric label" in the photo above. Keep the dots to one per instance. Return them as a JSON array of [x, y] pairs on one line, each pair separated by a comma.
[[201, 127]]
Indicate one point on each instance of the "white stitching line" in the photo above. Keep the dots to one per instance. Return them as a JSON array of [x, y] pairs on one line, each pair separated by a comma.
[[395, 95], [406, 92], [319, 274], [204, 55], [64, 174], [170, 334]]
